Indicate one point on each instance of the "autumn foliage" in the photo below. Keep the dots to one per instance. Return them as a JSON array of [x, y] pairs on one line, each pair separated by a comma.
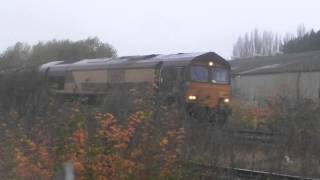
[[99, 145]]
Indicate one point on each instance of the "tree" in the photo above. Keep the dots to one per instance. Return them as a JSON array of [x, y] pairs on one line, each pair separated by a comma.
[[15, 56], [303, 42], [257, 44], [301, 31], [69, 51], [23, 55]]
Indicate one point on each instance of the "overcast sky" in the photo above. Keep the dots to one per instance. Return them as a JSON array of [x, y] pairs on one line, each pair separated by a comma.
[[150, 26]]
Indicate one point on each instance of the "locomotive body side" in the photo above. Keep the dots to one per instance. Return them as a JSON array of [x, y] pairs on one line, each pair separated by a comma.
[[96, 81]]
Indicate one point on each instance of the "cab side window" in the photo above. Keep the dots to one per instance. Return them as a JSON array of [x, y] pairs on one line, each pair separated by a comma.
[[169, 76], [173, 77]]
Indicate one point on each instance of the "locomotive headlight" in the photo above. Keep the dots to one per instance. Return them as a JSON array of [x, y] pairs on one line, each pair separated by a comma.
[[210, 63], [226, 100], [192, 98]]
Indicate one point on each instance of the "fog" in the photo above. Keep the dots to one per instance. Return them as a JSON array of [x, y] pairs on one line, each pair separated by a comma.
[[146, 27]]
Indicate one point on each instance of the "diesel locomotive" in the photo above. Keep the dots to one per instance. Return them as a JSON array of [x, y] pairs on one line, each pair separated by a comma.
[[199, 80]]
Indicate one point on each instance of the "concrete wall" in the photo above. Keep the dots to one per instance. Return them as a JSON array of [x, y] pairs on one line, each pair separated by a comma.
[[310, 85], [292, 85]]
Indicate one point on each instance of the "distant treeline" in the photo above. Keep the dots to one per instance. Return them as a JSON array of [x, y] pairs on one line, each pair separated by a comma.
[[23, 55], [267, 43], [308, 42]]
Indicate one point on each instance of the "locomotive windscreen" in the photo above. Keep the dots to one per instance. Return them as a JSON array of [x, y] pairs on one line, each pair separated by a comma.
[[199, 73], [219, 75]]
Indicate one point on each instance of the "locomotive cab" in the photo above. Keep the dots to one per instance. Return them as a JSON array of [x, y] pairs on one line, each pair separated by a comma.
[[203, 85], [208, 84], [208, 88]]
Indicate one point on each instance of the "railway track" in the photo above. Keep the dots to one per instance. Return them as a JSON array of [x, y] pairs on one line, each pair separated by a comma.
[[252, 135], [221, 173]]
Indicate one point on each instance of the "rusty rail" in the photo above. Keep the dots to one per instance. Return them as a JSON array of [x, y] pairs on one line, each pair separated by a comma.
[[213, 172]]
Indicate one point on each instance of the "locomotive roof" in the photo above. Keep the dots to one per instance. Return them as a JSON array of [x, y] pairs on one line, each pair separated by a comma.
[[144, 61]]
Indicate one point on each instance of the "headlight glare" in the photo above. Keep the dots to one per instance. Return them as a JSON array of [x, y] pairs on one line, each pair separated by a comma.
[[192, 98]]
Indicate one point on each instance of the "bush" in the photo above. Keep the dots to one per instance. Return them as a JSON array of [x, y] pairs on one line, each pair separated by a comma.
[[144, 141]]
